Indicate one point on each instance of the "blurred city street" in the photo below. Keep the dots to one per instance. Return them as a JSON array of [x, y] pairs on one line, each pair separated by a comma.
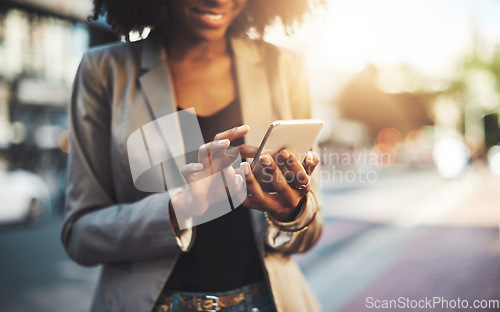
[[413, 236], [37, 275], [406, 235]]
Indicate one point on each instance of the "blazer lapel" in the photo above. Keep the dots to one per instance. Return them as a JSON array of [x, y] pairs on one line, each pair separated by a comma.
[[158, 90], [156, 79], [253, 86]]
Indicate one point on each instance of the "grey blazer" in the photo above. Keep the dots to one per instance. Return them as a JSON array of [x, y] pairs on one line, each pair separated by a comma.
[[121, 87]]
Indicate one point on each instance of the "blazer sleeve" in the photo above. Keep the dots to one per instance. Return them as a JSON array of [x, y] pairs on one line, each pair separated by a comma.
[[97, 229], [301, 234]]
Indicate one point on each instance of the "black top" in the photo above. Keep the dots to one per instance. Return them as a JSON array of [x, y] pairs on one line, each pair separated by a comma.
[[224, 254]]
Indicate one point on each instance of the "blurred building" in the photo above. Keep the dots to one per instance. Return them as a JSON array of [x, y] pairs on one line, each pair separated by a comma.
[[363, 101], [41, 45]]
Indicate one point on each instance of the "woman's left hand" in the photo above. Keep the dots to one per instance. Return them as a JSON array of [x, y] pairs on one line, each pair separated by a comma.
[[283, 203]]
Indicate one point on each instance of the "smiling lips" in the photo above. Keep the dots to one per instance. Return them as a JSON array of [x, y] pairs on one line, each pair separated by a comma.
[[210, 19]]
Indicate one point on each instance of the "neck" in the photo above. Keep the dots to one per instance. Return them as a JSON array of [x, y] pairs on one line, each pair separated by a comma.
[[183, 46]]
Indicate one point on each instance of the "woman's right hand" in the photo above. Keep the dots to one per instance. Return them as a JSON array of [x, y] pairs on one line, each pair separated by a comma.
[[204, 187]]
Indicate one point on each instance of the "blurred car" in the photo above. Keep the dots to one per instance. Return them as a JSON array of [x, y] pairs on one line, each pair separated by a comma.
[[24, 198]]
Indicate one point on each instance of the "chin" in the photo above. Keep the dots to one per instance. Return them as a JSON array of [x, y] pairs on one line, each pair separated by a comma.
[[210, 34]]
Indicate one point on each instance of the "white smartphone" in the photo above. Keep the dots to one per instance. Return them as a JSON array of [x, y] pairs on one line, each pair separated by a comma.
[[297, 136]]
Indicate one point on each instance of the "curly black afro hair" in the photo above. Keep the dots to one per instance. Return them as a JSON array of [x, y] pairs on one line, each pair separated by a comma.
[[134, 15]]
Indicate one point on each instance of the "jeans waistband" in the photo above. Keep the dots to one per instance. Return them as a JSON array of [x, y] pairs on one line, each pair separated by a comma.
[[217, 293], [241, 298]]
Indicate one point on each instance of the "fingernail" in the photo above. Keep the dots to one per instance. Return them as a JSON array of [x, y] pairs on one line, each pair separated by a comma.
[[197, 167], [302, 178], [241, 128], [284, 155], [309, 156], [238, 180], [265, 159], [246, 167], [223, 142]]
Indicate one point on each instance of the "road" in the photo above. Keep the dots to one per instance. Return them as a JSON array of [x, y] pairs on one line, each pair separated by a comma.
[[409, 235], [36, 274]]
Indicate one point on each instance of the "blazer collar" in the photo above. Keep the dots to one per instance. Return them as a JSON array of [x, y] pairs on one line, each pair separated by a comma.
[[156, 79]]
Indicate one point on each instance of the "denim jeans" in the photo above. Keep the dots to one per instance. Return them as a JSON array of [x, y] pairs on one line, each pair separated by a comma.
[[262, 303]]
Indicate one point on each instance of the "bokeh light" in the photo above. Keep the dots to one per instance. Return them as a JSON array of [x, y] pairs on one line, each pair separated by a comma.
[[451, 156], [494, 159], [389, 139]]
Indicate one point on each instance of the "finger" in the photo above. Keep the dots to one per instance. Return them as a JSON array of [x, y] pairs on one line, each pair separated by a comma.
[[299, 175], [237, 189], [216, 146], [247, 151], [310, 162], [233, 133], [281, 159], [209, 150], [256, 198], [231, 155], [238, 180], [189, 170], [288, 197]]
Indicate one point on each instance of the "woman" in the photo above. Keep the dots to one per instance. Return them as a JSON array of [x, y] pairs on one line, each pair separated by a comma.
[[197, 56]]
